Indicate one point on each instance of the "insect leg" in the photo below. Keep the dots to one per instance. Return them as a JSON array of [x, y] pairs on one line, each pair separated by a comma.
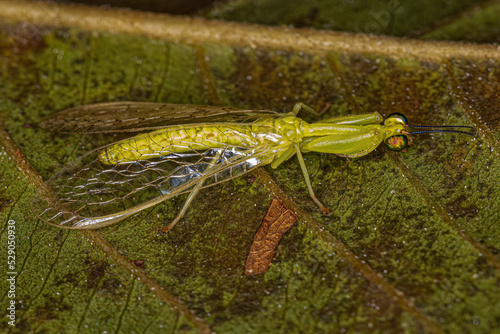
[[300, 106], [283, 157], [308, 181], [181, 213], [363, 119], [191, 196]]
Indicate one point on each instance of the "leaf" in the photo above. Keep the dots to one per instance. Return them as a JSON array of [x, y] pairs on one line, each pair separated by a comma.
[[411, 245], [277, 221]]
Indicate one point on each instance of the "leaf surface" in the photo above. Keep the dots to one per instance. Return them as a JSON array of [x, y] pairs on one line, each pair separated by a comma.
[[413, 239]]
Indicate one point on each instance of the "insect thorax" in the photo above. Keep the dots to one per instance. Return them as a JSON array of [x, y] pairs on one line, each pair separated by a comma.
[[291, 128]]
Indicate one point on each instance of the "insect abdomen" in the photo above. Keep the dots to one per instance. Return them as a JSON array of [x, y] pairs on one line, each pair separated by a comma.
[[178, 140]]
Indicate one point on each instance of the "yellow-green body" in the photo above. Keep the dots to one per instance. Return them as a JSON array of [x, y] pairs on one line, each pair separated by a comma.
[[346, 136], [103, 186], [185, 138]]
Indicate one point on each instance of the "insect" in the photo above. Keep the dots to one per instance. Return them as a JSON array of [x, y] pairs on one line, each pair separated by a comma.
[[190, 147]]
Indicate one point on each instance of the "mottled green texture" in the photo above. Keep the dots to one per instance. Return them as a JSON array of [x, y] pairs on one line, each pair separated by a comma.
[[479, 25], [378, 209], [388, 17]]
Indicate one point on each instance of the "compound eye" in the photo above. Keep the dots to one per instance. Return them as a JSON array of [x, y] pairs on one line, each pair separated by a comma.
[[400, 118], [396, 143]]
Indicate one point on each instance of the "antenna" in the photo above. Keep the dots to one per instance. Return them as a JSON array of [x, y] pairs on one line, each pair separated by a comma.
[[443, 128]]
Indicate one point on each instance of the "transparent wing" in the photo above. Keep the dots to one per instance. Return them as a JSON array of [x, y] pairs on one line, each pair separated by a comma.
[[89, 193], [143, 116]]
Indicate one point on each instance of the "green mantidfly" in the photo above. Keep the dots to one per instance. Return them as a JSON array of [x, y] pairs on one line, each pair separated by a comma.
[[190, 147]]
